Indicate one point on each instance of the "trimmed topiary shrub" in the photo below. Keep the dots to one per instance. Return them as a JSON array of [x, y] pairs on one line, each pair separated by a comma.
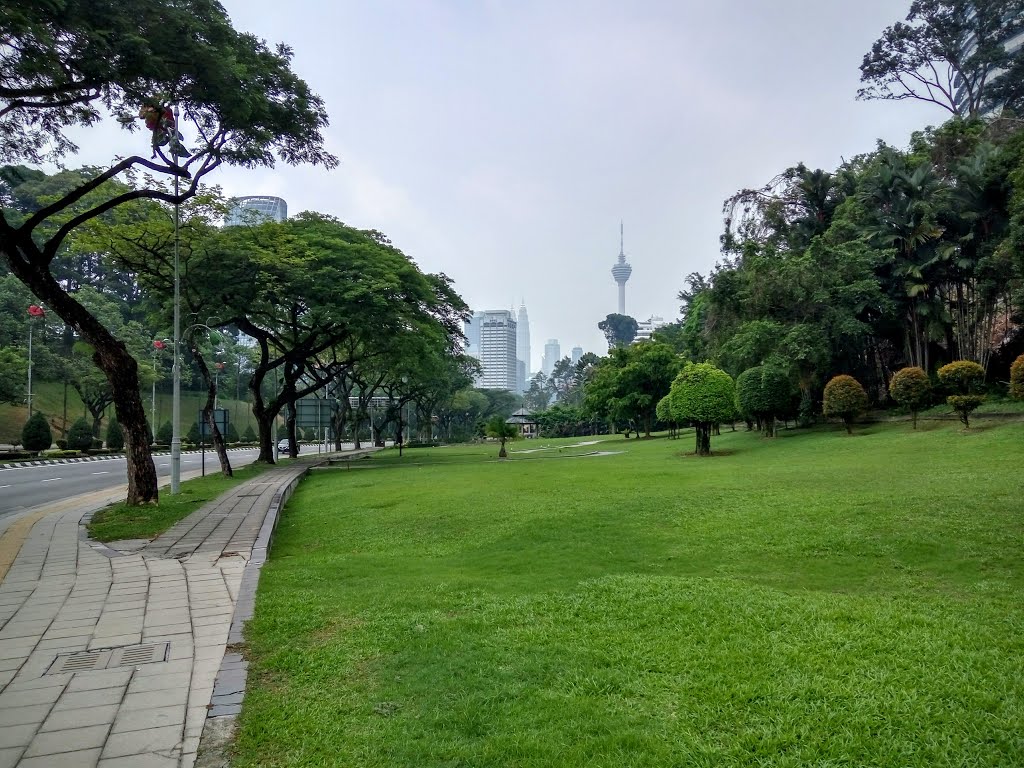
[[249, 436], [193, 433], [165, 434], [115, 435], [965, 376], [36, 435], [845, 398], [911, 388], [232, 433], [763, 392], [704, 396], [80, 435], [1017, 379]]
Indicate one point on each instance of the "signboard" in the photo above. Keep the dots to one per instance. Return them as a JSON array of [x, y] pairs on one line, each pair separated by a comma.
[[220, 416], [313, 412]]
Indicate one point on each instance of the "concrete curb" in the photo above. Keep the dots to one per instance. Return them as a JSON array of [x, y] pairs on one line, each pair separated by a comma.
[[80, 459]]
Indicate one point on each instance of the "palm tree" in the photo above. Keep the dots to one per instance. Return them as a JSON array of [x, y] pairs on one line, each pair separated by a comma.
[[498, 428]]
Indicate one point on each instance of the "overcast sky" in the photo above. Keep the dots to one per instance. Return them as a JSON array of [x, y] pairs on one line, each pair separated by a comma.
[[501, 141]]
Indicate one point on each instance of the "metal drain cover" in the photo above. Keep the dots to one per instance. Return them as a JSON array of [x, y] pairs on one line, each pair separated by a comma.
[[109, 658]]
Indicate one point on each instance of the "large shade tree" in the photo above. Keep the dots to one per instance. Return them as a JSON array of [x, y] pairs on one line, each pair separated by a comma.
[[65, 66]]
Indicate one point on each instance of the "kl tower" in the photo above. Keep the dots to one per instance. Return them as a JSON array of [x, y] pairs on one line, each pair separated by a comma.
[[621, 272]]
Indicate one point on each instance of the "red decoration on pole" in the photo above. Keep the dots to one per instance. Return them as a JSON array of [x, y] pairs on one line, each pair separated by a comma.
[[159, 344], [35, 310], [220, 366]]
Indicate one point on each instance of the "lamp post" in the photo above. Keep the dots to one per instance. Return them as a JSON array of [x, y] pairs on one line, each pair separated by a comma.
[[159, 345], [176, 369], [34, 311]]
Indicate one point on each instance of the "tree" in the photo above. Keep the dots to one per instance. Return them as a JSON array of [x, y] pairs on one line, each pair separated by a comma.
[[13, 372], [619, 330], [948, 53], [80, 437], [1017, 378], [502, 431], [911, 388], [703, 395], [248, 436], [966, 377], [115, 436], [845, 398], [763, 393], [63, 64], [36, 435]]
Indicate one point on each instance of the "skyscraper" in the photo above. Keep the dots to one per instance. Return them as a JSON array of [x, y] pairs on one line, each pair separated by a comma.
[[496, 348], [552, 354], [621, 272], [577, 353], [256, 209], [523, 346]]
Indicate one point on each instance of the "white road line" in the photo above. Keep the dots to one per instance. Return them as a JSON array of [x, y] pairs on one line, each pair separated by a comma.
[[101, 473], [5, 486], [51, 479], [165, 465]]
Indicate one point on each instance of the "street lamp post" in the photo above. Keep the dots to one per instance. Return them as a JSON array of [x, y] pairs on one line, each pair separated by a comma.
[[176, 369], [34, 311], [159, 345]]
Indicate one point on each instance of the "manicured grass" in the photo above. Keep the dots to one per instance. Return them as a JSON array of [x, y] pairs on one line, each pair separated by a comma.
[[121, 521], [818, 599]]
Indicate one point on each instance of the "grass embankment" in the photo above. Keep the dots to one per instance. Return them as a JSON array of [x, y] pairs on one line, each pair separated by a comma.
[[813, 600], [121, 521]]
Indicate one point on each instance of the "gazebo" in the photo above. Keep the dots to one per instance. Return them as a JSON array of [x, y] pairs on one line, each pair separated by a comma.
[[524, 422]]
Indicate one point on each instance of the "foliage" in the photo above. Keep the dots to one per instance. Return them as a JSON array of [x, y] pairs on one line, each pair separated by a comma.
[[929, 59], [231, 434], [36, 435], [13, 372], [80, 436], [844, 397], [966, 377], [1017, 378], [911, 388], [764, 392], [502, 431], [115, 436], [619, 330], [165, 434], [193, 436], [704, 396]]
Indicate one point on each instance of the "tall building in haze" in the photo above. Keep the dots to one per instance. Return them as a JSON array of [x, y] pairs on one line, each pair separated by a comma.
[[256, 209], [621, 272], [523, 347], [493, 334], [552, 354], [577, 353]]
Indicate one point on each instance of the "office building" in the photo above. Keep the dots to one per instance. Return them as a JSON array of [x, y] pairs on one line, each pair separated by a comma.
[[523, 347], [552, 354], [255, 210], [493, 336], [1013, 45], [646, 328], [577, 353]]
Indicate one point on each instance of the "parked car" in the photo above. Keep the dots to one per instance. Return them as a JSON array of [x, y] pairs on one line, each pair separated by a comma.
[[282, 446]]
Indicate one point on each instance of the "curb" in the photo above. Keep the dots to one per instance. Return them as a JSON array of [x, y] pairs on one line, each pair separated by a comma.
[[80, 459]]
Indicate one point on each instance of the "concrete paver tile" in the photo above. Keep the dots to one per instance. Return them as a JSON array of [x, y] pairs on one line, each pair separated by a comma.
[[76, 699], [27, 697], [162, 739], [73, 740], [139, 761], [114, 641], [32, 714], [107, 678], [14, 663], [86, 758], [9, 756], [159, 682], [80, 717], [153, 699], [149, 718], [17, 735]]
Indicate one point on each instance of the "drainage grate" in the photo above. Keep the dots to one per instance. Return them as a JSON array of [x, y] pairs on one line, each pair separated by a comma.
[[109, 658]]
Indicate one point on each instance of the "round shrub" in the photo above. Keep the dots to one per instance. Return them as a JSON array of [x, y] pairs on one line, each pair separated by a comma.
[[249, 436], [115, 435], [80, 435], [763, 392], [36, 435], [703, 395], [845, 398], [165, 434], [966, 376], [911, 388], [1017, 379]]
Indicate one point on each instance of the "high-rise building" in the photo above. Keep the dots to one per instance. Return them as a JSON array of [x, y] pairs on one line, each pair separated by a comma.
[[523, 345], [495, 335], [552, 354], [255, 210], [472, 331], [577, 353], [1012, 44], [621, 272]]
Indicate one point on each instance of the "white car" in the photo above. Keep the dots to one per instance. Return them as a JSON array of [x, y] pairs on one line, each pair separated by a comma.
[[282, 446]]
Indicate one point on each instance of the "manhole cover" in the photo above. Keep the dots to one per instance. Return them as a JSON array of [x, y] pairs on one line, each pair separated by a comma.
[[109, 658]]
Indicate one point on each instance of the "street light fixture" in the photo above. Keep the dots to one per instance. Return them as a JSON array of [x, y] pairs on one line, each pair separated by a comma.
[[176, 369], [34, 311]]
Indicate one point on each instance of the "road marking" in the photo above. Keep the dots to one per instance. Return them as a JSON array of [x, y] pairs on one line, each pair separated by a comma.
[[51, 479], [101, 473], [5, 486], [165, 465]]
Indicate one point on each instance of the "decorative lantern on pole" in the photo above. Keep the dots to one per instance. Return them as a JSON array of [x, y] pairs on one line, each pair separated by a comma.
[[34, 311]]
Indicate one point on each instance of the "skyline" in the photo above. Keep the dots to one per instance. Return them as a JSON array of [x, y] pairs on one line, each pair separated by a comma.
[[501, 143]]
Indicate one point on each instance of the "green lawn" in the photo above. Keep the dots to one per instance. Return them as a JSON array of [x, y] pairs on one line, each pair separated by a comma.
[[814, 600]]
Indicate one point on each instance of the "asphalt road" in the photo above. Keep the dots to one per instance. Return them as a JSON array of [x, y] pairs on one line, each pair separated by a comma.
[[24, 487]]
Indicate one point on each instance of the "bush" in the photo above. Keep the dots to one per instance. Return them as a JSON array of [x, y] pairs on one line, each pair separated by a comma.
[[1017, 379], [36, 435], [61, 443], [115, 435], [232, 433], [80, 435], [911, 388], [763, 392], [249, 436], [165, 434], [193, 433], [59, 454], [966, 376], [845, 398]]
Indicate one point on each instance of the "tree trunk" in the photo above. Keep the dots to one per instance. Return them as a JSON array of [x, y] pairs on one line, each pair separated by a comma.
[[502, 454], [703, 431], [120, 368], [208, 415], [264, 422], [849, 425]]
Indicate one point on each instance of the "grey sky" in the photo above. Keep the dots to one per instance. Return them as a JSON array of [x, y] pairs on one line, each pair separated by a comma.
[[501, 142]]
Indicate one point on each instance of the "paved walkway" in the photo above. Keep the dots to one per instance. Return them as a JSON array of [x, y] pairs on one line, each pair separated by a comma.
[[111, 659]]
